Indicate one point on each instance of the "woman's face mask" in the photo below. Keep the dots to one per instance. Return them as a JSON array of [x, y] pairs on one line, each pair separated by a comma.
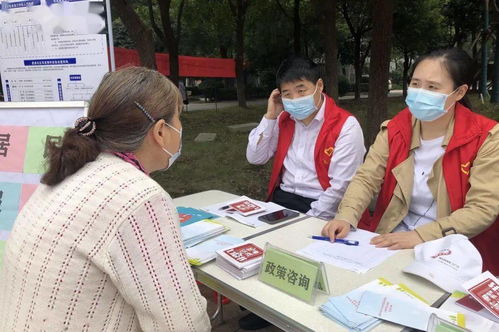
[[427, 105], [300, 108], [173, 156]]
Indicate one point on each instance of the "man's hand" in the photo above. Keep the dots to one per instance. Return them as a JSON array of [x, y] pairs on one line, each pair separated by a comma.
[[274, 107], [336, 229], [398, 240]]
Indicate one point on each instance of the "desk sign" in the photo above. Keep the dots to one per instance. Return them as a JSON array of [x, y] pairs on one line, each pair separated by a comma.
[[293, 274]]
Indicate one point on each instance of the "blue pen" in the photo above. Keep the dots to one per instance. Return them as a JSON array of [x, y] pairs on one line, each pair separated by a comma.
[[326, 238]]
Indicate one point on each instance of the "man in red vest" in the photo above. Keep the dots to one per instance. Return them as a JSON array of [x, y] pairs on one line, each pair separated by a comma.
[[316, 145]]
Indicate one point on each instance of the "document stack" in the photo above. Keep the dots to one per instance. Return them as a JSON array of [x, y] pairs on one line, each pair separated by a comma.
[[200, 231], [241, 260], [207, 250]]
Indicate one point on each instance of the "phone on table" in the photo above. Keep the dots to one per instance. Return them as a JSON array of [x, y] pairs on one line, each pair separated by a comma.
[[278, 216]]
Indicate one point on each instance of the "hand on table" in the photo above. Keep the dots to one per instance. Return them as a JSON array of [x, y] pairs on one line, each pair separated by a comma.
[[398, 240], [336, 229]]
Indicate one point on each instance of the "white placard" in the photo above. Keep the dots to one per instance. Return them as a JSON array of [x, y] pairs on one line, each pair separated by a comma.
[[52, 50]]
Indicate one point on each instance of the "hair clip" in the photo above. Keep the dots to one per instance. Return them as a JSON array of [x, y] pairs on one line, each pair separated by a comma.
[[144, 111], [85, 126]]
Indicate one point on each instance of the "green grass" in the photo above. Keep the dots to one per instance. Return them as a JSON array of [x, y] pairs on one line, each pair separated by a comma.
[[222, 164]]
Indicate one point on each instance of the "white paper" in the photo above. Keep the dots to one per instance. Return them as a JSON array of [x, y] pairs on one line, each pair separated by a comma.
[[359, 258], [401, 311], [249, 220]]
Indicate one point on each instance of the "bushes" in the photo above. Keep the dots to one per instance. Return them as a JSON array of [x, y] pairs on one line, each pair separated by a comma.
[[343, 86]]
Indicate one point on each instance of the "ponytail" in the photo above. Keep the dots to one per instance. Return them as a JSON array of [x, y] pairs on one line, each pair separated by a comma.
[[74, 152]]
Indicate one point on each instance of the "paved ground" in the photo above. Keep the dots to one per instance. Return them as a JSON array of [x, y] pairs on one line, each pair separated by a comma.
[[200, 106]]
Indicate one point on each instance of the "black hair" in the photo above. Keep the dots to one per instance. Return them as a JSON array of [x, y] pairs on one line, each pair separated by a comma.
[[458, 64], [297, 68]]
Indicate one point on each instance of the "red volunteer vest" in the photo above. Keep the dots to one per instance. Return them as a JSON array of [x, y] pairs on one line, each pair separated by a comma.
[[334, 118], [470, 131]]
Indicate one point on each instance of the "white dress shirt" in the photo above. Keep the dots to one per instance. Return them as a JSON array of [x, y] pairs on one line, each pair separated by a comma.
[[299, 174], [423, 207]]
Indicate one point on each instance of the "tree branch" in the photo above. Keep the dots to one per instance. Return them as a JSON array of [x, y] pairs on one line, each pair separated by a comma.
[[155, 27], [179, 18], [346, 16], [283, 10]]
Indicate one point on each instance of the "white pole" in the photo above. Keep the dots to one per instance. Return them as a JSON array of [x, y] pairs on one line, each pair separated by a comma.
[[110, 35]]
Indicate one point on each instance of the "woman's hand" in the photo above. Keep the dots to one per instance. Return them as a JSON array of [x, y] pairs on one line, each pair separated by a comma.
[[336, 229], [398, 240]]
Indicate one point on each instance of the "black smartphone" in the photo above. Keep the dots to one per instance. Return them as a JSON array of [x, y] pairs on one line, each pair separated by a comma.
[[278, 216]]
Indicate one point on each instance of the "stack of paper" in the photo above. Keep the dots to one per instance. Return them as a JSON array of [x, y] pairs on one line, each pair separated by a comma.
[[343, 309], [350, 309], [206, 251], [241, 260], [404, 311], [359, 258], [200, 231], [244, 210]]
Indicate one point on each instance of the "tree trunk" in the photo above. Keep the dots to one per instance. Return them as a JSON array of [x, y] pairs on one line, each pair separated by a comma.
[[494, 98], [380, 65], [140, 33], [405, 75], [474, 87], [171, 39], [357, 67], [239, 13], [327, 12], [297, 27]]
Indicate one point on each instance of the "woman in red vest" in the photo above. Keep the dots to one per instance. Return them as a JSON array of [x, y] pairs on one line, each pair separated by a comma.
[[434, 167]]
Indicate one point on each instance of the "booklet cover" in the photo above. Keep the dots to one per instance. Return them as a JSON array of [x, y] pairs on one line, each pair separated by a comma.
[[189, 215], [242, 255], [247, 207], [485, 289]]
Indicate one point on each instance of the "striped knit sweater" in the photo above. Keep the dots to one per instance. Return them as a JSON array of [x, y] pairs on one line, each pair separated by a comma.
[[101, 251]]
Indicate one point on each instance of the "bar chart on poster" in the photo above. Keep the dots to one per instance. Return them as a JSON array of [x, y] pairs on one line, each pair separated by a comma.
[[26, 130], [52, 50]]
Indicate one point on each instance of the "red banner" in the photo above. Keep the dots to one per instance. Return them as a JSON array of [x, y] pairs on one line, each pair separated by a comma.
[[189, 66]]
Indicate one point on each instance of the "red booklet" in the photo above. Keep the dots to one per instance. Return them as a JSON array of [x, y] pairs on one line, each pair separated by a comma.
[[242, 255], [485, 290], [246, 207]]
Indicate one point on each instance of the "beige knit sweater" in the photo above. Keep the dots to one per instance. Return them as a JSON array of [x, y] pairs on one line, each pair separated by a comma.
[[102, 251]]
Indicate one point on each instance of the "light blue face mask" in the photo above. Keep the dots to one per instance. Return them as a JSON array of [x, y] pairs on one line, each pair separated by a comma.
[[173, 156], [300, 108], [427, 105]]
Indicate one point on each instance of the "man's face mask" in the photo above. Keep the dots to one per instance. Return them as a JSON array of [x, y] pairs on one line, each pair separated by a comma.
[[300, 108]]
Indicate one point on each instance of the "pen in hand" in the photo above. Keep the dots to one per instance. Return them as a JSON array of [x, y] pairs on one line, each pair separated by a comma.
[[326, 238]]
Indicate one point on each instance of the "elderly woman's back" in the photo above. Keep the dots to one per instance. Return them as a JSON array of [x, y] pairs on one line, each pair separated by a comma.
[[99, 249]]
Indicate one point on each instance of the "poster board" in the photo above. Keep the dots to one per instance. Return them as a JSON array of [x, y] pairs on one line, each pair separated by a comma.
[[25, 129], [53, 50]]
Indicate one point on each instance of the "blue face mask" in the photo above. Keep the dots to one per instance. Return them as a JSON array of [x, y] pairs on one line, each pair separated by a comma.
[[426, 105], [300, 108], [173, 156]]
